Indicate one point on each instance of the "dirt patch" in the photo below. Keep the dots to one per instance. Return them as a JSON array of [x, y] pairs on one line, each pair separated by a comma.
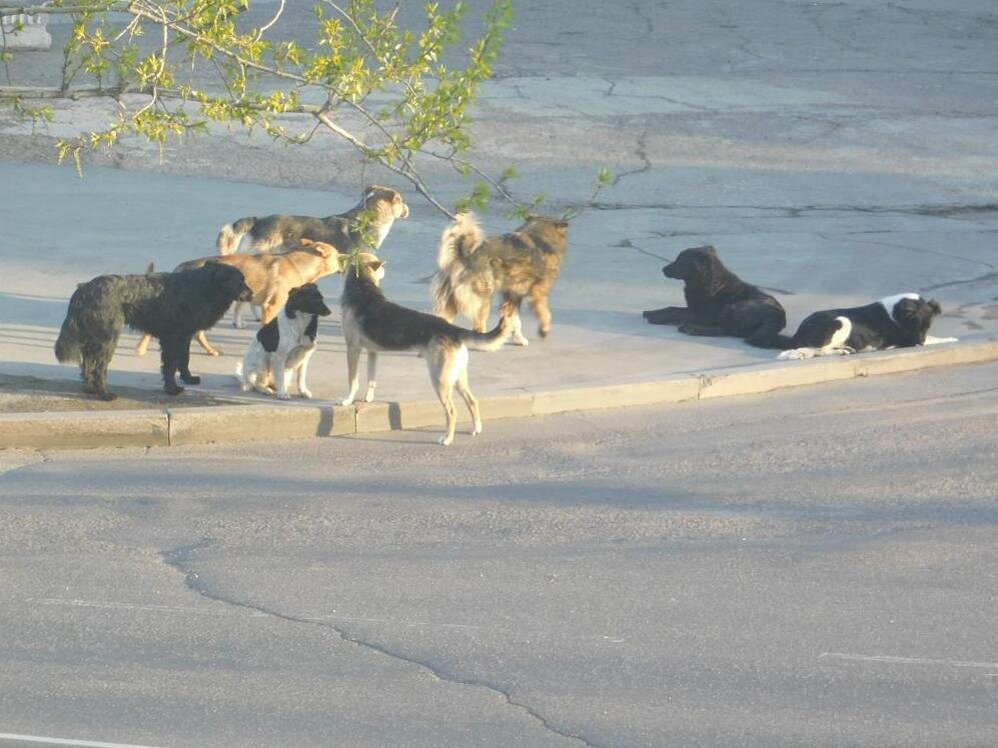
[[19, 394]]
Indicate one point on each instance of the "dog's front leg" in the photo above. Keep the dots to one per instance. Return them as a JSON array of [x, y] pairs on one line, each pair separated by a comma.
[[353, 363], [372, 375], [168, 348], [302, 371], [670, 315], [281, 375]]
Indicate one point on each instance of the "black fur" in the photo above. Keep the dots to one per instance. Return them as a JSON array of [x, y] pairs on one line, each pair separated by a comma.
[[873, 326], [718, 302], [168, 306]]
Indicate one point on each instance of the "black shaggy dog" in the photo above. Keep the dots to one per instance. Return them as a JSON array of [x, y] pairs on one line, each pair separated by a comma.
[[718, 302], [169, 306]]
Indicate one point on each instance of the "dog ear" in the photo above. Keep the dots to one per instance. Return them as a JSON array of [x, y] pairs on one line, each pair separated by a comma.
[[322, 249], [307, 242], [934, 306], [376, 265]]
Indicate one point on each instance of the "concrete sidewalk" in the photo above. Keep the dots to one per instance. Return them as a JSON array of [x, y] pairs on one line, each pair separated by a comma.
[[832, 165]]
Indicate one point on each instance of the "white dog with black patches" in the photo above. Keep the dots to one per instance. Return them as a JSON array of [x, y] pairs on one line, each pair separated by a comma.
[[284, 346], [898, 321]]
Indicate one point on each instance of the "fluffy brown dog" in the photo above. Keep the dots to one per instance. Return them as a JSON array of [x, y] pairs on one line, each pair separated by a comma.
[[473, 267], [344, 231], [270, 277]]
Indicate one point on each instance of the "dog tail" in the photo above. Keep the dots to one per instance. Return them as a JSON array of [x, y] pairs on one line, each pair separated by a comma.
[[492, 340], [459, 240], [67, 345], [457, 243], [231, 234]]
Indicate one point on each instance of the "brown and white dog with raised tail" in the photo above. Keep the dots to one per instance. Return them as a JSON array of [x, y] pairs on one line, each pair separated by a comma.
[[472, 267]]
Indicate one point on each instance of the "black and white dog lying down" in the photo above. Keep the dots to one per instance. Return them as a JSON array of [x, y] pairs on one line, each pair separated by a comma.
[[284, 345], [899, 321], [718, 302]]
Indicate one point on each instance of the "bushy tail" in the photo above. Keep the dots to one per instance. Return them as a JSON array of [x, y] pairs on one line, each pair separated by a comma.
[[459, 240], [67, 345], [231, 234], [492, 340], [457, 243]]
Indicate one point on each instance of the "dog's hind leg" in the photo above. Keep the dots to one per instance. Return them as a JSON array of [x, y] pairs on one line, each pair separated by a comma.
[[237, 314], [539, 303], [143, 345], [469, 398], [184, 361], [480, 316], [511, 308], [203, 342], [93, 368], [443, 382]]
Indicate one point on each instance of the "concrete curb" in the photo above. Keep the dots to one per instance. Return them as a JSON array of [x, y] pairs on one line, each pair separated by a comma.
[[235, 423]]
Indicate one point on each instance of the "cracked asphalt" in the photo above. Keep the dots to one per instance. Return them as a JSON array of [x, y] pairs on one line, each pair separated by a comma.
[[796, 569], [814, 567]]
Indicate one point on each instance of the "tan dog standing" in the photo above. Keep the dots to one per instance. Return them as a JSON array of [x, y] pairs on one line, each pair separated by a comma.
[[270, 277]]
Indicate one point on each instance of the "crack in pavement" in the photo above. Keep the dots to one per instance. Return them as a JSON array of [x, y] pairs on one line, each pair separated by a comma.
[[930, 211], [905, 248], [987, 277], [642, 155], [178, 559]]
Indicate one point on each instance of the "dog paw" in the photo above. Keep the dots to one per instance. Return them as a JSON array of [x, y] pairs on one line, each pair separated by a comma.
[[476, 429], [192, 379], [520, 340], [108, 396], [307, 394], [214, 352], [173, 390], [369, 397], [345, 401], [445, 441], [283, 396]]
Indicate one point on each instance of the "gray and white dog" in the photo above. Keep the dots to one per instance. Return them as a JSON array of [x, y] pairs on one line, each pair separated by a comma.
[[284, 346]]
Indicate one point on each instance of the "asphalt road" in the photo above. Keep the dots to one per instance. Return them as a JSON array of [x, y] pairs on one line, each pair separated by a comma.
[[814, 567]]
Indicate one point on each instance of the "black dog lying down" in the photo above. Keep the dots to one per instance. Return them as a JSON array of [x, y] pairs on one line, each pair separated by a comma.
[[169, 306], [718, 302], [899, 321]]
